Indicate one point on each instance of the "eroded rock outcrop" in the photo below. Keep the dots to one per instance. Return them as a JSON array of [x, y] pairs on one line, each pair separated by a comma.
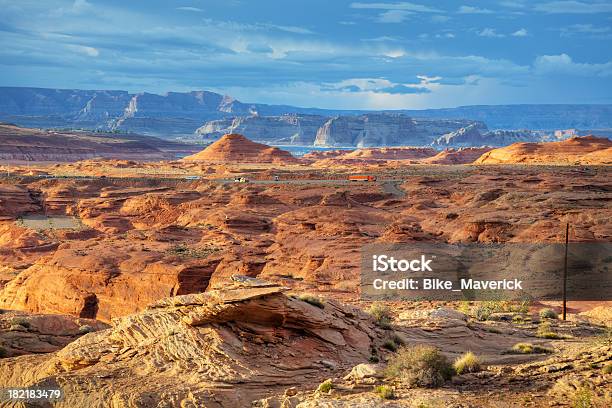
[[222, 348], [235, 148]]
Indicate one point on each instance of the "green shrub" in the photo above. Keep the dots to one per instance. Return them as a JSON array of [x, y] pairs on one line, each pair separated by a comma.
[[467, 363], [313, 300], [548, 314], [582, 398], [390, 345], [420, 366], [523, 307], [607, 369], [464, 307], [382, 314], [528, 348], [482, 312], [3, 352], [326, 386], [545, 331], [385, 392]]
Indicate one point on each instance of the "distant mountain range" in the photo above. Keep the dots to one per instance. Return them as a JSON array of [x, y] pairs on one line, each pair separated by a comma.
[[206, 115]]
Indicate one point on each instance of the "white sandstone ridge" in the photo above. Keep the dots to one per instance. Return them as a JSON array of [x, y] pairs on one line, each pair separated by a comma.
[[284, 129], [477, 134], [367, 130]]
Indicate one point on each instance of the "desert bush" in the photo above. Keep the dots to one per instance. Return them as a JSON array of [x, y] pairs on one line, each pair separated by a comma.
[[545, 331], [464, 307], [3, 352], [183, 251], [390, 345], [483, 312], [607, 369], [548, 314], [384, 391], [397, 339], [467, 363], [523, 307], [420, 366], [582, 398], [382, 314], [326, 386], [313, 300], [528, 348]]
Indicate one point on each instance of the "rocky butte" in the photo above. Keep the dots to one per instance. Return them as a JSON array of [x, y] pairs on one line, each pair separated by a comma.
[[235, 148]]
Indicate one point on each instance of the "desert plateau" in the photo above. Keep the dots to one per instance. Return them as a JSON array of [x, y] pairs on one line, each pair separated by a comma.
[[305, 204], [231, 277]]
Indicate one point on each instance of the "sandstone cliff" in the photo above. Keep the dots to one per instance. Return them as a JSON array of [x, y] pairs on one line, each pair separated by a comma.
[[285, 129], [477, 135], [235, 148]]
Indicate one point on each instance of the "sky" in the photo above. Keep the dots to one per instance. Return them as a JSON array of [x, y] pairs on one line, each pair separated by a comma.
[[333, 54]]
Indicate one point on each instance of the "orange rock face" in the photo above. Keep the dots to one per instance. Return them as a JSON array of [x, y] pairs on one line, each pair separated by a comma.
[[235, 148], [577, 150]]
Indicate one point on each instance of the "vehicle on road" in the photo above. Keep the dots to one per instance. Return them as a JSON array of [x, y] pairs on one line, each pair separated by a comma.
[[240, 180], [361, 177], [192, 177]]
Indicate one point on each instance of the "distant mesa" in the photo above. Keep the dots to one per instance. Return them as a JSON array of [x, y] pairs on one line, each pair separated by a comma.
[[577, 150], [235, 148]]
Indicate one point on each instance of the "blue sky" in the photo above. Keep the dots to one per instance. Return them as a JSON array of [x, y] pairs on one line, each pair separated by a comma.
[[329, 54]]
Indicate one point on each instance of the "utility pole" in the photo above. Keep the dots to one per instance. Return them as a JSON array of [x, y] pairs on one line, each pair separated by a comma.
[[565, 272]]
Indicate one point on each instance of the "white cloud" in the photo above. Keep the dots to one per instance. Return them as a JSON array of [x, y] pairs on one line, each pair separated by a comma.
[[473, 10], [395, 12], [588, 30], [574, 7], [563, 64], [396, 6], [393, 16], [85, 50], [490, 32], [520, 33], [194, 9]]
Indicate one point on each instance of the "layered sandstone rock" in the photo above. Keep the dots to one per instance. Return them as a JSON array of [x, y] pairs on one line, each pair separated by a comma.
[[577, 150], [221, 348], [16, 200], [25, 333], [235, 148]]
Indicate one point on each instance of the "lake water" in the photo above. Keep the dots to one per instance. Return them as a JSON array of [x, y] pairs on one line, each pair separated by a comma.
[[297, 151]]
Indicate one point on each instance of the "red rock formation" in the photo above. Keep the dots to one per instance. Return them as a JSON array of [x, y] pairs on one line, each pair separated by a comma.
[[577, 150], [235, 148], [464, 155]]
